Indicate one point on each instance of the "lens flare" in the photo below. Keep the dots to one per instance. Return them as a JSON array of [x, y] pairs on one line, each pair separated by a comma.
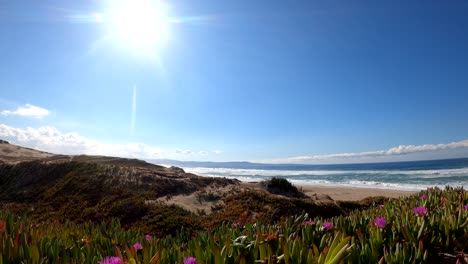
[[140, 25]]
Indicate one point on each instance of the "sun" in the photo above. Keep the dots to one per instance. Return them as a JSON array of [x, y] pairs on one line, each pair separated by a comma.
[[139, 25]]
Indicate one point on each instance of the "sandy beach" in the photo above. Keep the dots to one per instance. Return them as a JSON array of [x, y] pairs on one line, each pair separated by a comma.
[[320, 192], [351, 194]]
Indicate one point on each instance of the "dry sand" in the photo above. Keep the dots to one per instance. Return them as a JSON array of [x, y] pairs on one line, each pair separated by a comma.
[[320, 192], [316, 192], [192, 203], [351, 194], [11, 153]]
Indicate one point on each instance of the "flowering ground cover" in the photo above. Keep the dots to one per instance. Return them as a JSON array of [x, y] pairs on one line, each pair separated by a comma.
[[429, 227]]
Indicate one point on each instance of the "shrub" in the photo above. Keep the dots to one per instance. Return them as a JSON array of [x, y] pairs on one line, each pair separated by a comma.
[[281, 186]]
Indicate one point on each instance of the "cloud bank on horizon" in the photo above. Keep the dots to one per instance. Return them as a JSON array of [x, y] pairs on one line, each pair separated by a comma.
[[395, 151], [27, 110], [48, 138]]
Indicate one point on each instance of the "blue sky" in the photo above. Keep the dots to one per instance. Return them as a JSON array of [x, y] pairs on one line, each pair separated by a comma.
[[261, 80]]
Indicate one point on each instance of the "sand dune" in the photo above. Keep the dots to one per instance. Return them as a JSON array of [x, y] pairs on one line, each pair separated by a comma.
[[10, 153]]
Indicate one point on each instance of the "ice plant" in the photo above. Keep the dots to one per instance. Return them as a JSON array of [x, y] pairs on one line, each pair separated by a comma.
[[111, 260], [328, 225], [137, 246], [420, 210], [444, 200], [148, 237], [380, 222], [190, 260], [360, 236], [424, 197]]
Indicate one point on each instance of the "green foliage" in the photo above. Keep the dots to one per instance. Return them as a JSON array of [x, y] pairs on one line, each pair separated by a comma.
[[89, 188], [440, 235], [283, 187]]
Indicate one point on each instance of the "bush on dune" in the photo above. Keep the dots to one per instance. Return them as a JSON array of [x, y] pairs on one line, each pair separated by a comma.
[[283, 187]]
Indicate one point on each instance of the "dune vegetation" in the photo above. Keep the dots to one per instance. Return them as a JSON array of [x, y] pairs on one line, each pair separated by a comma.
[[430, 227]]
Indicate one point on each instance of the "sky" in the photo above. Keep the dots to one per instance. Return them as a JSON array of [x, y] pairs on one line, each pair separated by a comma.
[[271, 81]]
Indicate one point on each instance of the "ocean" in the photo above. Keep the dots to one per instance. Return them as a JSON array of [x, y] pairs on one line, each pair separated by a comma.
[[412, 175]]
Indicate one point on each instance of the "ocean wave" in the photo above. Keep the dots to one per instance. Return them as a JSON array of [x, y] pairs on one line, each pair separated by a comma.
[[383, 179], [365, 184], [273, 173]]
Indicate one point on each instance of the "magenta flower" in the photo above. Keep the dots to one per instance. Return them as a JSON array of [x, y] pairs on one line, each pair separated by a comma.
[[420, 210], [190, 260], [148, 237], [380, 222], [328, 225], [308, 222], [424, 197], [138, 246], [465, 207], [111, 260]]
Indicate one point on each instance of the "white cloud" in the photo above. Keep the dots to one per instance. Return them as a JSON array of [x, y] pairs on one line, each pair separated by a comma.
[[184, 152], [50, 139], [27, 110], [396, 151]]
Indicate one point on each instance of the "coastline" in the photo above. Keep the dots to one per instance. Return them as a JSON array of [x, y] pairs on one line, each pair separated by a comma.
[[409, 176]]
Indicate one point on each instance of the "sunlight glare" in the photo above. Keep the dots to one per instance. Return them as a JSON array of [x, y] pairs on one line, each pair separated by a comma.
[[140, 25]]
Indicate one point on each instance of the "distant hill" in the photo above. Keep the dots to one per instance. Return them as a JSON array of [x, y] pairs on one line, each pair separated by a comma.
[[207, 164], [12, 153]]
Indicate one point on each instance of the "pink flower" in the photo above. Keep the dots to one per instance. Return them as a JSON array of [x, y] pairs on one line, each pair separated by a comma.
[[380, 222], [328, 225], [308, 222], [424, 197], [381, 206], [430, 188], [190, 260], [236, 224], [465, 207], [148, 237], [420, 210], [111, 260], [138, 246]]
